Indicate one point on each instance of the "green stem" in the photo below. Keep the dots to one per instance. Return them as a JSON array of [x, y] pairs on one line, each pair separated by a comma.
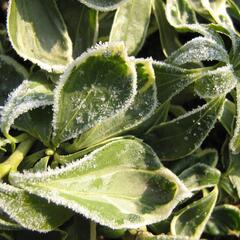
[[11, 164], [93, 230]]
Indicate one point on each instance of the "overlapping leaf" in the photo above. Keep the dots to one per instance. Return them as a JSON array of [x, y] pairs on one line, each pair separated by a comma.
[[131, 24], [191, 221], [31, 94], [140, 110], [36, 37], [35, 213], [182, 136], [96, 86], [95, 186]]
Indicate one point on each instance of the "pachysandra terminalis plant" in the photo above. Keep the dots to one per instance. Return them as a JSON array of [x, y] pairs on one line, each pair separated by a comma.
[[119, 119]]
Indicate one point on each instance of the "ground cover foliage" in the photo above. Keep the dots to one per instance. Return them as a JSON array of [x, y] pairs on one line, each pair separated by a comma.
[[119, 119]]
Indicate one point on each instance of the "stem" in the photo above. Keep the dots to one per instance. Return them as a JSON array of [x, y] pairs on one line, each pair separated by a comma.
[[11, 164], [93, 230]]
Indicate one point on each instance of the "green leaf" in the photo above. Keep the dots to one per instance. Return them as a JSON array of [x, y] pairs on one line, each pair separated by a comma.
[[228, 117], [235, 141], [197, 50], [182, 136], [168, 36], [170, 80], [149, 236], [131, 24], [30, 211], [95, 186], [11, 75], [225, 220], [44, 42], [31, 94], [233, 172], [218, 12], [97, 85], [200, 176], [207, 157], [38, 123], [82, 25], [179, 13], [6, 223], [140, 110], [216, 82], [103, 5], [191, 220]]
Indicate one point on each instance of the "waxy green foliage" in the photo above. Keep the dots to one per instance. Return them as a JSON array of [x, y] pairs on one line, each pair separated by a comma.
[[123, 122]]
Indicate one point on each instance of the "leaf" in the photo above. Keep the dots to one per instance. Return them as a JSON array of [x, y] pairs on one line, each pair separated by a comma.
[[207, 157], [82, 25], [97, 85], [200, 176], [31, 94], [182, 136], [11, 75], [30, 211], [170, 80], [103, 5], [191, 220], [180, 13], [218, 11], [168, 36], [140, 110], [95, 186], [149, 236], [216, 82], [234, 144], [6, 223], [228, 117], [44, 42], [131, 24], [225, 220], [37, 123], [197, 50], [233, 172]]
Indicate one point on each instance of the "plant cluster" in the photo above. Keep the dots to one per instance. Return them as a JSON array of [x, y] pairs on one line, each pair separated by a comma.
[[120, 119]]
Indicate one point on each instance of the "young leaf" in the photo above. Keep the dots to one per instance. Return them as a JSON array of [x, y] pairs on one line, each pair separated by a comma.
[[197, 50], [141, 109], [200, 176], [44, 42], [103, 5], [131, 24], [82, 25], [95, 186], [182, 136], [191, 220], [216, 82], [168, 36], [11, 75], [225, 220], [30, 211], [38, 123], [170, 80], [97, 85], [31, 94]]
